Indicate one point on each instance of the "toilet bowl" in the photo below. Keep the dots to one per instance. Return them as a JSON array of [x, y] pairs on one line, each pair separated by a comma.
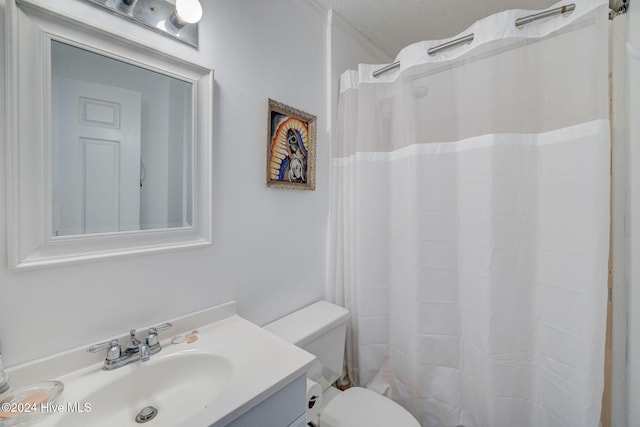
[[320, 329]]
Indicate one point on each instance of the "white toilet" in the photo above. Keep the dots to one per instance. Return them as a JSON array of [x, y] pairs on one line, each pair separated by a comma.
[[321, 329]]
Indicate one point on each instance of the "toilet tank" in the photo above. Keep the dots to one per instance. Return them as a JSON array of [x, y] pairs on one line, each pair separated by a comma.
[[320, 329]]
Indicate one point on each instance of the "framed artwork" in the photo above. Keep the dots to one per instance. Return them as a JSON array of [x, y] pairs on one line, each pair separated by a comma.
[[291, 148]]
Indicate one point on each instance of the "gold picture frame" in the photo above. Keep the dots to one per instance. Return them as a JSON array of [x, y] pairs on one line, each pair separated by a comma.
[[291, 147]]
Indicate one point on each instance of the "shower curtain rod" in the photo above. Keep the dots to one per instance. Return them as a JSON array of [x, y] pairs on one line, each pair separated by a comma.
[[469, 37], [432, 51]]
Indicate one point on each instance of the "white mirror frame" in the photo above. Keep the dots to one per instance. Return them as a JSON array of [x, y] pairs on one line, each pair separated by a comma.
[[30, 27]]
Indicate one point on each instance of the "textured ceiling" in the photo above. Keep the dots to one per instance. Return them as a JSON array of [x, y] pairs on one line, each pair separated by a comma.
[[394, 24]]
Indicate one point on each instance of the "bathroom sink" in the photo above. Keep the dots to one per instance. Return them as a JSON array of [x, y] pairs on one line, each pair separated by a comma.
[[231, 367], [177, 386]]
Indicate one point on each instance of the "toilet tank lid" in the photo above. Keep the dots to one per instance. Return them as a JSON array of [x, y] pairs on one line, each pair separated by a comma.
[[304, 325]]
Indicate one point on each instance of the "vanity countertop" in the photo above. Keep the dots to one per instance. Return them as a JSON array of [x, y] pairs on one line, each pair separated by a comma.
[[248, 364]]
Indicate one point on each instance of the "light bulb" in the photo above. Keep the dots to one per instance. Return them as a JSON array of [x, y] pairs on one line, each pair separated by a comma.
[[188, 11]]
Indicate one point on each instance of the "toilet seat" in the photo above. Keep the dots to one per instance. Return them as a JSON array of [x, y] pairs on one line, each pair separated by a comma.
[[360, 407]]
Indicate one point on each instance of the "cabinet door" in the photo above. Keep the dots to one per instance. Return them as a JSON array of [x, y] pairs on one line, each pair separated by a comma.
[[286, 407], [300, 422]]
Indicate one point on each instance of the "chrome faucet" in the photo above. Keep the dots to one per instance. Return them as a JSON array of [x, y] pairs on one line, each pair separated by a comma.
[[136, 349]]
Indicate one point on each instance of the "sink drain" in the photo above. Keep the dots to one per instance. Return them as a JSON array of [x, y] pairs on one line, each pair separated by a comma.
[[146, 414]]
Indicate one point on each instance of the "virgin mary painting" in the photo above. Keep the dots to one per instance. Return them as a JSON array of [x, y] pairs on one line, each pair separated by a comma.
[[290, 161]]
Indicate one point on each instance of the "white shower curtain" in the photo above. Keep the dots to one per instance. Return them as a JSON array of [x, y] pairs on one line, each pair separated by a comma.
[[470, 223]]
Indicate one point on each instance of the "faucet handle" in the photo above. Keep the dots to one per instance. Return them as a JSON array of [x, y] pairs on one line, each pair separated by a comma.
[[162, 327], [113, 346], [152, 338]]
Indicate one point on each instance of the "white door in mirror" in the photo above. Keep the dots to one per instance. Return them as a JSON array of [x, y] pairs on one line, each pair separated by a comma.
[[96, 169]]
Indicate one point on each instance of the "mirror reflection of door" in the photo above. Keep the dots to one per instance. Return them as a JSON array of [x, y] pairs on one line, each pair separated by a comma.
[[118, 163], [96, 164]]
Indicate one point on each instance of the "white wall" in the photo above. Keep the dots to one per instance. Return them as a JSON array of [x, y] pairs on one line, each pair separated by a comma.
[[269, 244]]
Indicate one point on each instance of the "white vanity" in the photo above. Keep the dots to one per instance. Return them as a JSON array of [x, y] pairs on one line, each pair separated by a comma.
[[234, 374]]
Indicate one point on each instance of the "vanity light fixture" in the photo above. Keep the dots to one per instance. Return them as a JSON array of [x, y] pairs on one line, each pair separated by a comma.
[[179, 20], [186, 12]]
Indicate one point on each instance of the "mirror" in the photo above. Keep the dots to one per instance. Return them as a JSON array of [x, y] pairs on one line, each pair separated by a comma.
[[109, 148], [121, 145]]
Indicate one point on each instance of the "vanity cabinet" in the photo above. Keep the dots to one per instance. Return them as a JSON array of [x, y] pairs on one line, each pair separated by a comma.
[[284, 408]]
